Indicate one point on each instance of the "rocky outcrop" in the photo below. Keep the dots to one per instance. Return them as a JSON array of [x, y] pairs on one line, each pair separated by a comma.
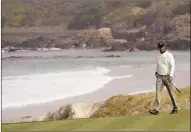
[[130, 35], [38, 42], [95, 38], [129, 40], [180, 44], [63, 113], [74, 111], [84, 39], [64, 43]]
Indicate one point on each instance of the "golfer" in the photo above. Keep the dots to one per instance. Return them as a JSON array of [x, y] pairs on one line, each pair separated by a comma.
[[164, 74]]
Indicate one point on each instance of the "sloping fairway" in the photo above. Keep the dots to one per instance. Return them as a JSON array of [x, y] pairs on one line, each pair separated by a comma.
[[164, 121]]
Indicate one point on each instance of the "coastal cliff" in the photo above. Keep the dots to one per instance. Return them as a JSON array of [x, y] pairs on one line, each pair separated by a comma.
[[130, 25]]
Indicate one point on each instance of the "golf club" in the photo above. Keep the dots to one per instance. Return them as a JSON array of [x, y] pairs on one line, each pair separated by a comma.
[[176, 88]]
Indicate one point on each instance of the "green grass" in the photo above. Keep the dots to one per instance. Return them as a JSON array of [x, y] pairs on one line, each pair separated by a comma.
[[164, 121]]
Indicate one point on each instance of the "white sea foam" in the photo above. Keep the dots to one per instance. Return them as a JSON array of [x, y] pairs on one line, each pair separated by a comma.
[[41, 88], [122, 77], [144, 91], [124, 66]]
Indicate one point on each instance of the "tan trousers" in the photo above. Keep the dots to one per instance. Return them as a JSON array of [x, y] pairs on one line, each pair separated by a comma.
[[163, 80]]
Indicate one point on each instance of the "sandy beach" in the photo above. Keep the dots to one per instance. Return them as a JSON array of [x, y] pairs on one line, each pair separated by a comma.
[[125, 80]]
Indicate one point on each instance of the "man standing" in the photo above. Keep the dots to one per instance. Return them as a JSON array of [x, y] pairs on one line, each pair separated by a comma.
[[164, 74]]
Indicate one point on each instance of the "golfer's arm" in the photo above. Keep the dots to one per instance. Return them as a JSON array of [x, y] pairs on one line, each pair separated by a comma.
[[172, 65]]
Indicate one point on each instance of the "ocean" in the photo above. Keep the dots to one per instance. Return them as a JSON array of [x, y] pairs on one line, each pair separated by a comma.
[[46, 79]]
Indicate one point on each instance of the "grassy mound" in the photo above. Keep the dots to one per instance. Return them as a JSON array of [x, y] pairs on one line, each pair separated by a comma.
[[141, 103]]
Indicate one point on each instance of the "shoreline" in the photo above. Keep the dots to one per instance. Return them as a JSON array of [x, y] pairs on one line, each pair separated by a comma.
[[79, 53], [67, 54], [35, 119], [117, 86], [52, 101]]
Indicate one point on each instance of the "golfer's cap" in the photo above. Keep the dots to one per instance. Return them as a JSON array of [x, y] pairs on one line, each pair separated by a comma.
[[161, 44]]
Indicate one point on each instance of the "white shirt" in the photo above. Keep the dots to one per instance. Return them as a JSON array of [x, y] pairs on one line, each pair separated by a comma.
[[165, 64]]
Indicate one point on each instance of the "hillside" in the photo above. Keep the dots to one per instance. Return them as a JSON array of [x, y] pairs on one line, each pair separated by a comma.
[[138, 22], [88, 13]]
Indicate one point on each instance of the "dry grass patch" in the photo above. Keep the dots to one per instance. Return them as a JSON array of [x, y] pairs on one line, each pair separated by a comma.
[[123, 105]]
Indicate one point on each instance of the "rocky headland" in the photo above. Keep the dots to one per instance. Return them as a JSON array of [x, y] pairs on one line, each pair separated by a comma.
[[113, 25]]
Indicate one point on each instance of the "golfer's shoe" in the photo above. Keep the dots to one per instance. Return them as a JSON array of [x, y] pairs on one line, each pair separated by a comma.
[[174, 111], [154, 112]]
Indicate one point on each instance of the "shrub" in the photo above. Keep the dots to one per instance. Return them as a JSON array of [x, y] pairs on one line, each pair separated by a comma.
[[143, 3], [182, 9]]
